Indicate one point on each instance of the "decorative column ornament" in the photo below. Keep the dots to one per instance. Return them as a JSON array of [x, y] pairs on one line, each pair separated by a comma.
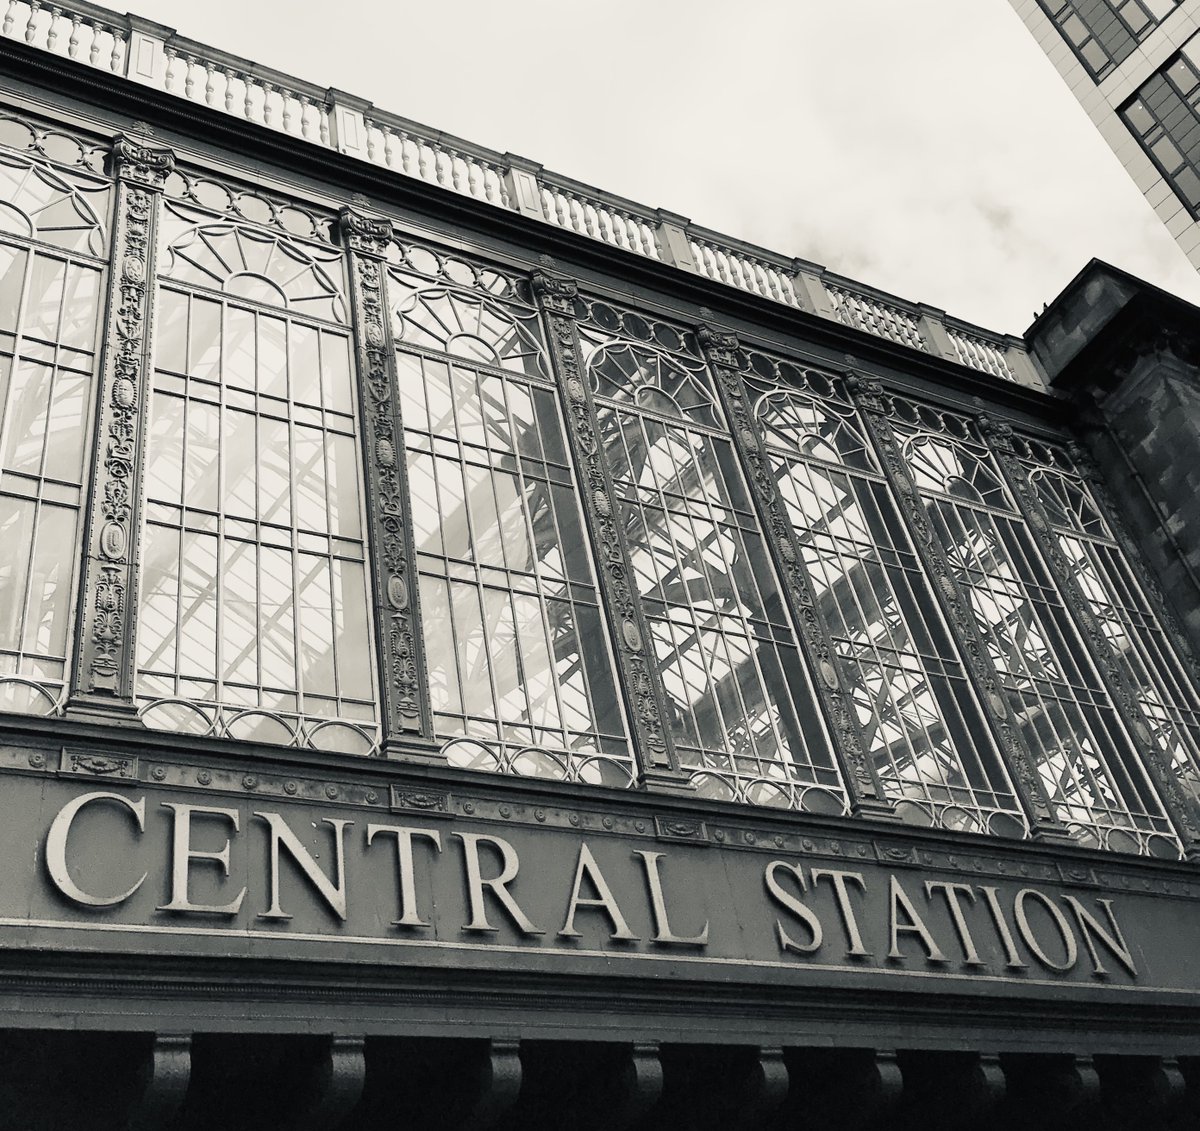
[[658, 762], [102, 679], [402, 681], [863, 788], [1043, 822], [1180, 810]]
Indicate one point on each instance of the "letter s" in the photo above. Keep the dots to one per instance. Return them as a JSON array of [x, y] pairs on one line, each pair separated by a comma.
[[786, 942]]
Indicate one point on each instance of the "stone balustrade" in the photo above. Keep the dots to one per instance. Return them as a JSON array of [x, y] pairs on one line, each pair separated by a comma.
[[157, 56]]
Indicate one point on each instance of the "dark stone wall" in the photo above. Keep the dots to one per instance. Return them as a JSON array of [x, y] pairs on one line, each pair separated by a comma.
[[1147, 443]]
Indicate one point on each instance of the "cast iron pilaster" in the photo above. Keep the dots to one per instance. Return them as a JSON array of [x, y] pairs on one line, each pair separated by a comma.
[[102, 678], [403, 691]]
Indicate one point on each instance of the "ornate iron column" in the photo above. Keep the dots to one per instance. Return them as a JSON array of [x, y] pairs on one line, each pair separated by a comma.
[[865, 793], [404, 697], [102, 677], [658, 762], [1181, 812], [1044, 824]]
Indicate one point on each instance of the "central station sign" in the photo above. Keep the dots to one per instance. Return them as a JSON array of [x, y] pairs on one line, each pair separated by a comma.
[[135, 867]]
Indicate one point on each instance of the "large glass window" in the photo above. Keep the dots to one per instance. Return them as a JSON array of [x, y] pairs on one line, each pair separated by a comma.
[[1165, 693], [1165, 117], [1087, 763], [520, 671], [254, 617], [1103, 33], [739, 702], [53, 236], [922, 724]]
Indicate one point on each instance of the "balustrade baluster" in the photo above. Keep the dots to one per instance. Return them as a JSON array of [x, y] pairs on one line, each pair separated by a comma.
[[9, 17], [589, 220], [35, 6], [422, 159], [168, 69], [189, 82], [94, 50], [114, 60], [305, 103], [247, 96], [490, 176], [456, 163], [51, 31], [209, 89], [73, 42], [405, 155], [268, 89], [285, 106], [323, 123], [473, 178], [227, 75]]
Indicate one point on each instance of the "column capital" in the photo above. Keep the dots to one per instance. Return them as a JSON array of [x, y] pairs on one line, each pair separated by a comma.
[[556, 292], [367, 235], [147, 165], [722, 346]]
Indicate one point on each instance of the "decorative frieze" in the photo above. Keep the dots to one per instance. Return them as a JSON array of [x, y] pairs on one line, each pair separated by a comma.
[[862, 784], [1116, 680], [1044, 822], [102, 680], [403, 696], [635, 661]]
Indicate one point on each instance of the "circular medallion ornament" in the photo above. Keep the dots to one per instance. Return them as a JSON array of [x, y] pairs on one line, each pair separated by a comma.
[[575, 389], [374, 334], [397, 591], [112, 540], [633, 636], [385, 453], [829, 675], [602, 505], [124, 393], [997, 704], [133, 269]]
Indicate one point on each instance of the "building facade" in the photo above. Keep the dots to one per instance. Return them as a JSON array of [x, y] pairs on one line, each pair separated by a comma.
[[475, 650], [1135, 69]]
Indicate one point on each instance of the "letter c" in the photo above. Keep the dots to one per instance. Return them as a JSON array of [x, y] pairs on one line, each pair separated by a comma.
[[56, 848]]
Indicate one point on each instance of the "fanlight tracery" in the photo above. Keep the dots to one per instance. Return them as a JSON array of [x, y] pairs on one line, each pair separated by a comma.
[[251, 263], [42, 204], [470, 326]]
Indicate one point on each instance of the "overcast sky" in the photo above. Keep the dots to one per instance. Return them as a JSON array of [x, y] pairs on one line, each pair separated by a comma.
[[926, 147]]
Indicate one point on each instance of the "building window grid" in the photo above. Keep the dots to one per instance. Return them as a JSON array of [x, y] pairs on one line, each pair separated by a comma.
[[936, 760], [254, 526], [521, 672], [52, 272], [1165, 693], [1164, 115], [743, 714], [1086, 761], [1101, 33]]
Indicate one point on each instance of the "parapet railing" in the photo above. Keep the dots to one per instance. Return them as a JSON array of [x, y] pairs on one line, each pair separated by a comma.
[[156, 56]]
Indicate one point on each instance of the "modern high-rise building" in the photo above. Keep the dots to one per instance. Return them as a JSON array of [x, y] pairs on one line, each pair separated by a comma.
[[479, 652], [1134, 66]]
